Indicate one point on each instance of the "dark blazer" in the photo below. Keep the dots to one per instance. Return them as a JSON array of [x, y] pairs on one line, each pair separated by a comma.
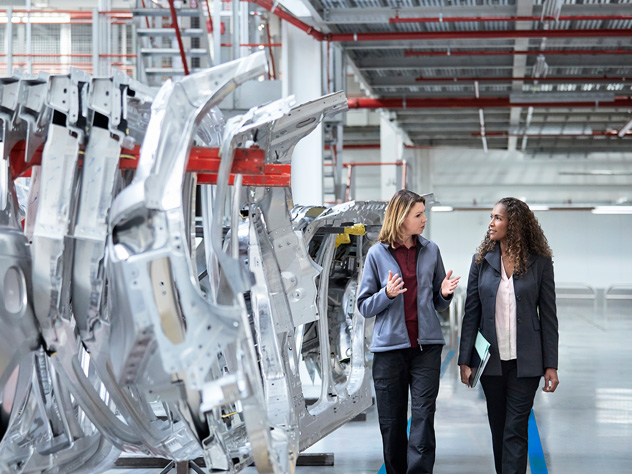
[[536, 314]]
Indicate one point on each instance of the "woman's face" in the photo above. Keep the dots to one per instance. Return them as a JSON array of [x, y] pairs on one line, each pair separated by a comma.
[[415, 221], [499, 223]]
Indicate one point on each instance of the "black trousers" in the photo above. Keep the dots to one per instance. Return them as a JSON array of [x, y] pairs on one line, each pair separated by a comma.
[[509, 403], [394, 373]]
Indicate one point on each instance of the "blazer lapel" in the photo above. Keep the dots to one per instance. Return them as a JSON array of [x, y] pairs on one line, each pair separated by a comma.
[[493, 258]]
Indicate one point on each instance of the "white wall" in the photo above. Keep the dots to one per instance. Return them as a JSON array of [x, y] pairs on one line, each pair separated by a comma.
[[301, 53], [466, 177], [367, 178], [587, 248]]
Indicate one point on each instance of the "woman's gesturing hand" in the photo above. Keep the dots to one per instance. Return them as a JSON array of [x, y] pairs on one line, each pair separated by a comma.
[[448, 286], [395, 285]]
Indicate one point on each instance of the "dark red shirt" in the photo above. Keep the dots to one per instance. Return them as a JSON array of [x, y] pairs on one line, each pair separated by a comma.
[[407, 260]]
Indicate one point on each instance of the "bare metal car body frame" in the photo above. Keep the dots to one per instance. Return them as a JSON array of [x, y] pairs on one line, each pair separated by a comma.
[[133, 320]]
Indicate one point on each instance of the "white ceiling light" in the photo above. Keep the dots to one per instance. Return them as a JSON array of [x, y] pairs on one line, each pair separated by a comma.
[[540, 67], [442, 208], [526, 98], [612, 210], [625, 129], [36, 18], [296, 8], [597, 173], [552, 8]]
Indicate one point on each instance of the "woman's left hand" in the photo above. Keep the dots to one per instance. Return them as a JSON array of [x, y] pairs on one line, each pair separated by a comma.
[[550, 380], [448, 286]]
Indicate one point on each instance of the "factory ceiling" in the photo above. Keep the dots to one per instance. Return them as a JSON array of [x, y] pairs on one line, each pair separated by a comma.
[[551, 76]]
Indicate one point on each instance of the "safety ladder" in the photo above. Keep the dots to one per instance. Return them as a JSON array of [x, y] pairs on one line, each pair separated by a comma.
[[172, 38]]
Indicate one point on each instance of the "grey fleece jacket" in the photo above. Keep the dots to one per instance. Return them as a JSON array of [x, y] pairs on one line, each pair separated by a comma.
[[389, 332]]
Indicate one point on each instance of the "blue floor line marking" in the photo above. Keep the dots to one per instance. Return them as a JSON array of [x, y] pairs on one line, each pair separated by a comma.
[[536, 453], [444, 366], [447, 360]]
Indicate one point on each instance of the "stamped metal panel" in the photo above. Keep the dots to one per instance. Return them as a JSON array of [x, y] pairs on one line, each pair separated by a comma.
[[34, 112], [299, 272], [106, 105], [149, 230], [13, 129], [42, 433], [53, 258], [99, 172], [190, 100], [272, 444], [345, 392]]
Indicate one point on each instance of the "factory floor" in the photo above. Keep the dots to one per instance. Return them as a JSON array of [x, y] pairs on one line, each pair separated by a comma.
[[585, 427]]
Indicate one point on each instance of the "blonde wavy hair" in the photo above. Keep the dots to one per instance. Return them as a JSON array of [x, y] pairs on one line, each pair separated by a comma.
[[396, 212], [524, 236]]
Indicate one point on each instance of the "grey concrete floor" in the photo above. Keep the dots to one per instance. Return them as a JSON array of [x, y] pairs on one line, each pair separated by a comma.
[[585, 426]]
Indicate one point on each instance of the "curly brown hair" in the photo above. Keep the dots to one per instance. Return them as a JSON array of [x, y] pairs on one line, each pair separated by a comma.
[[524, 235]]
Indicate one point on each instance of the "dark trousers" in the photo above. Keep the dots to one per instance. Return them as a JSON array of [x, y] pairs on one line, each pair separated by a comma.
[[509, 403], [394, 372]]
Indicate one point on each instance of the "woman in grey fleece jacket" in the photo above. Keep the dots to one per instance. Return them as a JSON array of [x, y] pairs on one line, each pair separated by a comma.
[[403, 284]]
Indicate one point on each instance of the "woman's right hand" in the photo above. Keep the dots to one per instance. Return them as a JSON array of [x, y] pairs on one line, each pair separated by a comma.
[[394, 286], [466, 371]]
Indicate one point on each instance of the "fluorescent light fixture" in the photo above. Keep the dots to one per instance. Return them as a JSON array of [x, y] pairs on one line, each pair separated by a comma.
[[568, 129], [296, 8], [552, 8], [625, 129], [36, 18], [597, 173], [612, 210], [442, 208], [540, 67], [539, 208], [529, 98]]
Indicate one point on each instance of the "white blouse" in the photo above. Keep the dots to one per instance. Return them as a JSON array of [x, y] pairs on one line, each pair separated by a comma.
[[506, 316]]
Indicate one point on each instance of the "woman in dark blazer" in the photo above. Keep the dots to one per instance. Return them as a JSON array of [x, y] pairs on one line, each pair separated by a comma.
[[511, 300]]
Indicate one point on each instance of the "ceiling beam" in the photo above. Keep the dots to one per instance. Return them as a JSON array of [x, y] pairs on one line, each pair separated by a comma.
[[509, 19], [478, 34], [552, 43], [383, 15], [460, 62], [465, 103], [532, 52], [410, 80]]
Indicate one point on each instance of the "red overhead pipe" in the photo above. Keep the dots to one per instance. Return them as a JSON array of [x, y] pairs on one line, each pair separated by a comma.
[[282, 13], [249, 162], [456, 19], [121, 14], [466, 103], [146, 19], [254, 45], [373, 163], [526, 79], [356, 146], [562, 52], [484, 34], [278, 10], [596, 133], [174, 18], [272, 72], [210, 18]]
